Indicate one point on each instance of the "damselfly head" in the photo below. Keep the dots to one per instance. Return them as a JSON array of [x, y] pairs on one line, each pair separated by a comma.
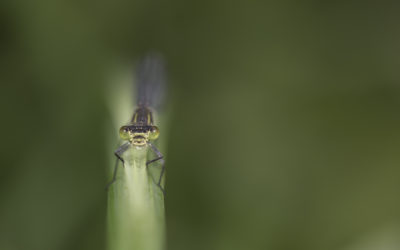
[[138, 135]]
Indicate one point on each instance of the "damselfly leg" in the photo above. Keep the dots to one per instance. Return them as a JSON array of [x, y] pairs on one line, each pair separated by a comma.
[[118, 153], [160, 158]]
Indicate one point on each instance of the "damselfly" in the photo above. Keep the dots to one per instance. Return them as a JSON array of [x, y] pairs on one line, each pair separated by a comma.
[[141, 131]]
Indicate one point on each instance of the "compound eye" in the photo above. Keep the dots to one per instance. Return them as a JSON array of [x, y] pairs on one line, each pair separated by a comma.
[[154, 132], [124, 133]]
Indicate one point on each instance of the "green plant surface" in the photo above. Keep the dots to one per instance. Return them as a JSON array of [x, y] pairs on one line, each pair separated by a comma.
[[135, 206], [135, 209]]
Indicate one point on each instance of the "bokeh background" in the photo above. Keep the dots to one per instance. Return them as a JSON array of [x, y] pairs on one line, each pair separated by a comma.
[[283, 131]]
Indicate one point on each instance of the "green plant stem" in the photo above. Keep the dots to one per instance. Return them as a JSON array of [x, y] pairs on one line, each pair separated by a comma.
[[135, 206]]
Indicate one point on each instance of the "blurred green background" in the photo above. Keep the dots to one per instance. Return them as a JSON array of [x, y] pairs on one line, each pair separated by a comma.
[[284, 130]]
